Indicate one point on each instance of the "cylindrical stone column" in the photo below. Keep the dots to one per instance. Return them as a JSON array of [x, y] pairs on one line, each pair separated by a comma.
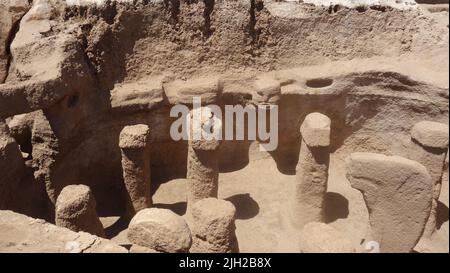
[[213, 228], [134, 144], [202, 163], [76, 210], [312, 171], [431, 144]]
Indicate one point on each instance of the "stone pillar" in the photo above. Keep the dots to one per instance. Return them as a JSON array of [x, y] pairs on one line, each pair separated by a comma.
[[430, 140], [134, 143], [76, 210], [202, 165], [312, 171], [397, 192], [267, 91], [213, 228]]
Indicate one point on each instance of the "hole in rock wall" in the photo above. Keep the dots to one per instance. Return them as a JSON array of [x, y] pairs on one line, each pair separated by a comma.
[[319, 83]]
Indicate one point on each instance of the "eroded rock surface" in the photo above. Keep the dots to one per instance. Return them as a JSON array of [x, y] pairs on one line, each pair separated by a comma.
[[76, 210], [213, 227], [11, 11], [430, 147], [312, 171], [134, 144], [398, 194], [19, 233], [161, 230]]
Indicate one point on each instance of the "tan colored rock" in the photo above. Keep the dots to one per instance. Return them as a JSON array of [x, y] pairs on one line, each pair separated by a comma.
[[28, 87], [142, 249], [367, 84], [45, 152], [202, 164], [161, 230], [268, 90], [398, 194], [21, 127], [18, 189], [312, 171], [431, 134], [142, 95], [134, 137], [322, 238], [213, 228], [430, 147], [180, 91], [76, 210], [20, 233], [11, 168], [199, 142], [316, 130], [134, 144], [11, 12]]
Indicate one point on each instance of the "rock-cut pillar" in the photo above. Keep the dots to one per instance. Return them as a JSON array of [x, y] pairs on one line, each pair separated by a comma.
[[397, 192], [430, 141], [312, 171], [202, 163], [134, 144]]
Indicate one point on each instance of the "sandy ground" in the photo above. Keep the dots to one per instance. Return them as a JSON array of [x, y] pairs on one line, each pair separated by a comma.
[[262, 202]]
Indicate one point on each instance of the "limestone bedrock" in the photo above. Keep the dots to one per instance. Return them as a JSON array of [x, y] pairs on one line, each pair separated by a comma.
[[398, 194]]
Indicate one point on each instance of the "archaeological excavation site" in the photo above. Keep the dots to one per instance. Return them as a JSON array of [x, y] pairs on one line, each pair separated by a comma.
[[224, 126]]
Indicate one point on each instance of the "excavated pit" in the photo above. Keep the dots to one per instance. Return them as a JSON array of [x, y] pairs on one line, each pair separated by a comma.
[[76, 74]]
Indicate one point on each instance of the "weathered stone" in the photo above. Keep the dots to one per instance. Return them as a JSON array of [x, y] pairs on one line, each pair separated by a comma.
[[429, 149], [197, 139], [45, 151], [268, 90], [161, 230], [142, 249], [134, 144], [11, 12], [398, 194], [20, 233], [431, 134], [312, 171], [322, 238], [134, 137], [28, 87], [213, 226], [202, 164], [143, 95], [183, 91], [316, 130], [76, 210], [20, 128], [11, 168], [18, 189]]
